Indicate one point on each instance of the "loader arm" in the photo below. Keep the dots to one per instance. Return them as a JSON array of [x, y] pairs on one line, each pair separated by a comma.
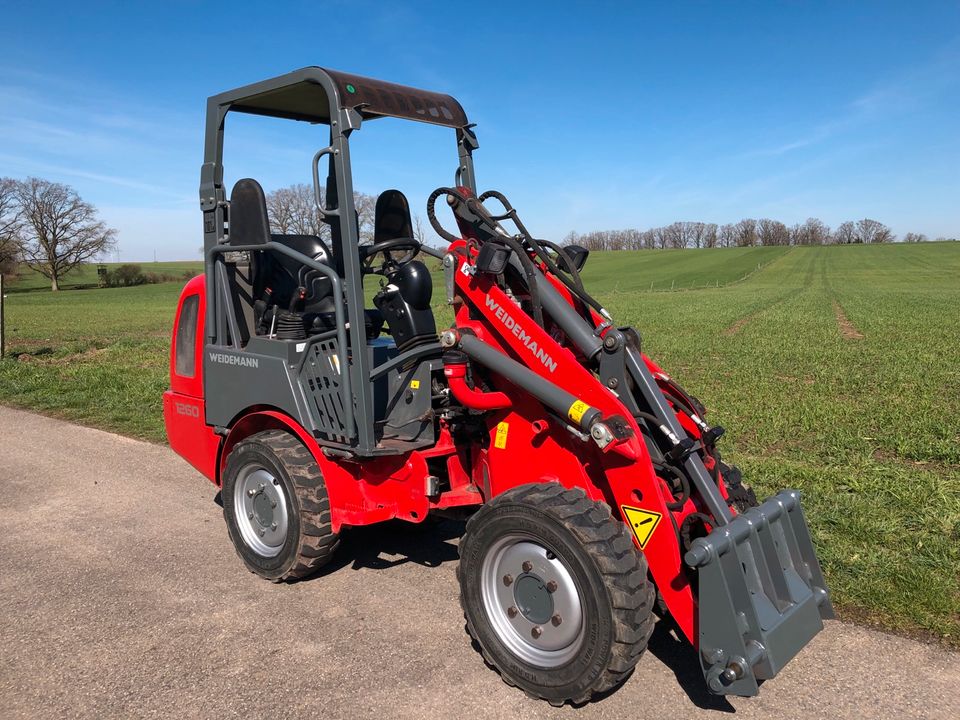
[[746, 590]]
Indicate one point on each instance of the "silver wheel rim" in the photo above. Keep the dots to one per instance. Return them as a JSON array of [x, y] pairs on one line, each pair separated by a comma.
[[532, 601], [260, 506]]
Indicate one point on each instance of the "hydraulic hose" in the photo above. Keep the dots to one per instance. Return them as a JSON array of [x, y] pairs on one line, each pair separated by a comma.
[[678, 502], [542, 254], [530, 272], [529, 269], [432, 213], [568, 261], [455, 370]]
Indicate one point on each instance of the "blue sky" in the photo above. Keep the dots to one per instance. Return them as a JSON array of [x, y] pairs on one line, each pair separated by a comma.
[[590, 116]]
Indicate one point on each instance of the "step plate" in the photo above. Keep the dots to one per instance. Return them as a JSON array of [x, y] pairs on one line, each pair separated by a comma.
[[761, 597]]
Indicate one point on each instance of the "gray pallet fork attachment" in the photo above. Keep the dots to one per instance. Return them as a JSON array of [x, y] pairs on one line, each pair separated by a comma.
[[760, 593], [761, 596]]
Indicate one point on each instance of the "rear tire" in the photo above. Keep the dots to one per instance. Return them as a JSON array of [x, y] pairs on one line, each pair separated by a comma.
[[276, 507], [539, 553]]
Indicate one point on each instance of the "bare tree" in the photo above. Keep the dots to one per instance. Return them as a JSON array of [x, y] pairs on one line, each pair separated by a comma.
[[745, 232], [845, 233], [365, 205], [293, 211], [914, 237], [710, 236], [419, 233], [59, 230], [813, 232], [772, 232], [696, 234], [9, 226], [873, 231], [726, 236]]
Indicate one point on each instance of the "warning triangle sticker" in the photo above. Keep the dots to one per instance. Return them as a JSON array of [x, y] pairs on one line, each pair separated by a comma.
[[642, 522]]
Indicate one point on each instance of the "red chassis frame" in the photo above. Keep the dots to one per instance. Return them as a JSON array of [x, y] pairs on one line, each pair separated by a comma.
[[527, 443]]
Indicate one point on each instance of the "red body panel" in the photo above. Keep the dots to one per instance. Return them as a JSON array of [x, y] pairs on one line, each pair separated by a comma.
[[183, 410]]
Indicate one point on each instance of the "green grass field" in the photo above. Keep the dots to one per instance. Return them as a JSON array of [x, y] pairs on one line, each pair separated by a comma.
[[85, 276], [833, 369]]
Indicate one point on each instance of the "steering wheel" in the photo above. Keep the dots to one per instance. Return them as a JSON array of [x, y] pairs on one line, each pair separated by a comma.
[[368, 254]]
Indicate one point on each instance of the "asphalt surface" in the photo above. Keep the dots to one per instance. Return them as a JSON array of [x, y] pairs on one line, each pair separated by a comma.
[[122, 597]]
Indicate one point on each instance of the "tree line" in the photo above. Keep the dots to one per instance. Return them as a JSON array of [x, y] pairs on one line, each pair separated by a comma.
[[48, 227], [746, 233], [51, 229]]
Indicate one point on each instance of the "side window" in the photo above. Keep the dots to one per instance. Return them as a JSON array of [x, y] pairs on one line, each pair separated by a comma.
[[186, 358]]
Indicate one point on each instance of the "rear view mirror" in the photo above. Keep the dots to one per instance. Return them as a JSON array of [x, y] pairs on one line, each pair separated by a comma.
[[492, 258], [578, 256]]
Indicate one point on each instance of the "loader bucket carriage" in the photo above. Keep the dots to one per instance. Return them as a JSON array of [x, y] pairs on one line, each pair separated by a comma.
[[596, 495]]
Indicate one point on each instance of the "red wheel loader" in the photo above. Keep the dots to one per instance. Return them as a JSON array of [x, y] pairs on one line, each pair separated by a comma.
[[596, 496]]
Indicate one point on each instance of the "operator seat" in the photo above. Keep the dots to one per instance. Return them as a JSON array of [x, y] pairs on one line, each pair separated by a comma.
[[281, 275], [275, 278], [405, 300]]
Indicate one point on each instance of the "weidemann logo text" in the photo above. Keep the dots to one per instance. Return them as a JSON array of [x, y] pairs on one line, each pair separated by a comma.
[[513, 326], [241, 360]]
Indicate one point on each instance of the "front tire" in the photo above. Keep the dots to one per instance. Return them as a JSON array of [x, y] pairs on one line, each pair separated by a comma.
[[276, 507], [555, 592]]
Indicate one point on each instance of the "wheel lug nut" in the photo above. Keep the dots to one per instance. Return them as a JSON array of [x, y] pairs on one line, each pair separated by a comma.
[[551, 556], [262, 531], [507, 579], [556, 620], [536, 632], [527, 566], [512, 611], [276, 482], [249, 516], [273, 504], [273, 526], [552, 586], [251, 492]]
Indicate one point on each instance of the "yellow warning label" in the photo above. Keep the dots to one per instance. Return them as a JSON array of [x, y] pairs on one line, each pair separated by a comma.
[[642, 522], [500, 439], [414, 384], [577, 410]]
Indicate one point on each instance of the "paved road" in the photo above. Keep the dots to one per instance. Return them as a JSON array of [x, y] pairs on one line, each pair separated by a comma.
[[122, 597]]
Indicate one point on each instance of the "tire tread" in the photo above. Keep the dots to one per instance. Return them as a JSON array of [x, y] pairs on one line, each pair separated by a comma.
[[623, 568], [317, 541]]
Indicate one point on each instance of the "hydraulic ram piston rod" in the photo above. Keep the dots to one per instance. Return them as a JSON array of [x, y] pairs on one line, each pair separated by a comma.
[[558, 400]]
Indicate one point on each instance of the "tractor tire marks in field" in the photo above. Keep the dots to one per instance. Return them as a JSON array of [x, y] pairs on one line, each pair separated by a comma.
[[746, 319], [761, 308], [847, 329]]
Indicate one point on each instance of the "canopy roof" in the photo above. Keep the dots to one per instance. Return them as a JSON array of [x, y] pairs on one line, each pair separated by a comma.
[[303, 95]]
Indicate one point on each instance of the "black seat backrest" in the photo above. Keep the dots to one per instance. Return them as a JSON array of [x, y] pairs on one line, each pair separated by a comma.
[[249, 224], [391, 218]]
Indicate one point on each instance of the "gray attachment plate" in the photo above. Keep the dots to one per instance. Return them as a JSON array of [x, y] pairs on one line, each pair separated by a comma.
[[761, 594]]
